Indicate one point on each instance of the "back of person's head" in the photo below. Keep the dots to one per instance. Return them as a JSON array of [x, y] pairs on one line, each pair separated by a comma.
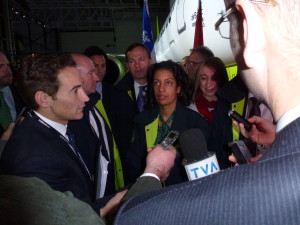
[[40, 73], [220, 74], [95, 50], [181, 79], [135, 45], [204, 51]]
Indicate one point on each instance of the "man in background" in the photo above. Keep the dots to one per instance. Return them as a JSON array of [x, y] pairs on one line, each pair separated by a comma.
[[103, 154], [105, 89], [195, 59], [133, 84], [10, 101]]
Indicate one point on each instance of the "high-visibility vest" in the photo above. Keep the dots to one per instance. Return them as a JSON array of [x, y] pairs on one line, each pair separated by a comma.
[[119, 179], [151, 133], [239, 108]]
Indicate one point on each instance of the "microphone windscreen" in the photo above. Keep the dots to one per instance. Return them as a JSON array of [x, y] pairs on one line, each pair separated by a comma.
[[193, 144]]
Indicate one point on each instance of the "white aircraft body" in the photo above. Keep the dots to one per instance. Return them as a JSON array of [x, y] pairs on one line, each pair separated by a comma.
[[177, 34]]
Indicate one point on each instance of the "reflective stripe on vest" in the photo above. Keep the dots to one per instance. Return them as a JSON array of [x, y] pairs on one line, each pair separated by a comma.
[[119, 179], [151, 133], [239, 108]]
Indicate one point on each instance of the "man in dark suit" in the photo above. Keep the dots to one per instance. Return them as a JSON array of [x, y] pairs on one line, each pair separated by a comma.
[[113, 99], [104, 155], [138, 60], [42, 146], [264, 39], [10, 101]]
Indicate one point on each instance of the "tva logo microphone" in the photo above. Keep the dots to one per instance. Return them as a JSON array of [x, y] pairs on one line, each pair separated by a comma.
[[203, 168], [198, 162]]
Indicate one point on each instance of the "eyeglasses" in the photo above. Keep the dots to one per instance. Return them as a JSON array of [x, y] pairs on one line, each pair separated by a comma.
[[232, 9], [224, 18], [192, 64]]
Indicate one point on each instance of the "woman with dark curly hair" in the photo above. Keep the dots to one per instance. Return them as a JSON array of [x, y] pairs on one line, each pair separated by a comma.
[[211, 76], [167, 95]]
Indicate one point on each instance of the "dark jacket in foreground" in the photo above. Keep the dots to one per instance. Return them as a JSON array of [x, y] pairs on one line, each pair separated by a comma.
[[266, 192], [34, 150]]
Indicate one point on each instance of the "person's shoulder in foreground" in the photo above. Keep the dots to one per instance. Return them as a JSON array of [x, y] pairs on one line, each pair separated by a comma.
[[260, 193], [32, 201]]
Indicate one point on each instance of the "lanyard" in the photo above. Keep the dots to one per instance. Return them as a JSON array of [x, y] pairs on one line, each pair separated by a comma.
[[77, 154]]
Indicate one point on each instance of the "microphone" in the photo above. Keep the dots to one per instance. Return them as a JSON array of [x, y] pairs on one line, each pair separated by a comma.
[[198, 162]]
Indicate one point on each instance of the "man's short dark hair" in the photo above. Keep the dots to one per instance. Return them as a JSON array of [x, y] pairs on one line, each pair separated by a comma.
[[204, 51], [95, 50], [135, 45], [39, 73]]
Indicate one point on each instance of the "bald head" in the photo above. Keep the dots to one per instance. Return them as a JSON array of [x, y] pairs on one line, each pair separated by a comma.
[[87, 72]]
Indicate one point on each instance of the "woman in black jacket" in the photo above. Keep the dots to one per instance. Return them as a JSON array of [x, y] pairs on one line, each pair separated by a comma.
[[167, 95]]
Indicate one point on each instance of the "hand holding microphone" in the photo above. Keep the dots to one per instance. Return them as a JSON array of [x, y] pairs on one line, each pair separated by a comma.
[[160, 161]]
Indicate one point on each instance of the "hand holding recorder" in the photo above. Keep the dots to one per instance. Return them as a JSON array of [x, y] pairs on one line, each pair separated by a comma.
[[262, 131]]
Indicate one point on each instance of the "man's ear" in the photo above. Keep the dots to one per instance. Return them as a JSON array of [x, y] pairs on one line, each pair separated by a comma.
[[254, 35], [42, 99]]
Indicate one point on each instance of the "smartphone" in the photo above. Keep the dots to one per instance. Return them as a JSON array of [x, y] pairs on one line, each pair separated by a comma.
[[234, 115], [240, 151], [169, 139], [18, 119]]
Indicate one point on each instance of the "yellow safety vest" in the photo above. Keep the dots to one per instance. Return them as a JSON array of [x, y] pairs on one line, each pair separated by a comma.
[[119, 179], [239, 108], [151, 133]]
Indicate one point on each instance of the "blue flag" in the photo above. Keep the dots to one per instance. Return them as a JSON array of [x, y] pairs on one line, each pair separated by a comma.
[[147, 31]]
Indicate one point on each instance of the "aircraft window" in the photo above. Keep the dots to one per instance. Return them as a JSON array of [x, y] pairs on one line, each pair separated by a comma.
[[170, 20]]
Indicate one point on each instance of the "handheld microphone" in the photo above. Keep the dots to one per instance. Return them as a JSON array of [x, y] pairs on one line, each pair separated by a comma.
[[198, 161]]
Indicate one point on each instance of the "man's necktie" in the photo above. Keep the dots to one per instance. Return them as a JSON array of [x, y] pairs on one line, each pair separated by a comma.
[[72, 142], [140, 98], [5, 116]]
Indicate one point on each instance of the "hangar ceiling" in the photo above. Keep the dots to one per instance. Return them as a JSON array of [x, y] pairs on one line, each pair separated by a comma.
[[84, 14], [36, 25]]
